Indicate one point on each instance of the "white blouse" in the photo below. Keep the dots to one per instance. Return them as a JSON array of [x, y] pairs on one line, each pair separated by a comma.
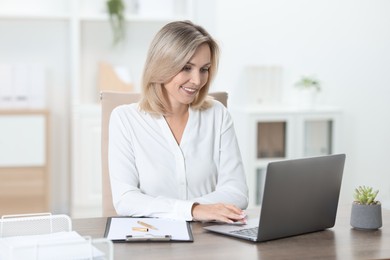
[[152, 176]]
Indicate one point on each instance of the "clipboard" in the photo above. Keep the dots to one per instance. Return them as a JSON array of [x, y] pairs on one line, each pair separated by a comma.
[[132, 229]]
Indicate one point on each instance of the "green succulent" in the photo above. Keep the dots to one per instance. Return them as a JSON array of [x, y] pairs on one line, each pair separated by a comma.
[[365, 196]]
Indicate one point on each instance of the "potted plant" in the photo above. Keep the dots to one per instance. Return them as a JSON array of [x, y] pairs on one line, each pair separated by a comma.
[[308, 87], [366, 211], [307, 82], [116, 11]]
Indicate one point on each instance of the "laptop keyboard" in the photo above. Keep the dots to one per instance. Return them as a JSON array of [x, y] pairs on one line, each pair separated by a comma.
[[248, 232]]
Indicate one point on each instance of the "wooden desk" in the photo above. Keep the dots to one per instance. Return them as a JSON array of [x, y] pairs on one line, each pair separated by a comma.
[[341, 242]]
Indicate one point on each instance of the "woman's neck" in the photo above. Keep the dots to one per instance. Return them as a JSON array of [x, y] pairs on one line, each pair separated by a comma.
[[178, 111], [177, 121]]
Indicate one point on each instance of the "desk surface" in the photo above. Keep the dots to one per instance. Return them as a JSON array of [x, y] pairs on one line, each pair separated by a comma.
[[340, 242]]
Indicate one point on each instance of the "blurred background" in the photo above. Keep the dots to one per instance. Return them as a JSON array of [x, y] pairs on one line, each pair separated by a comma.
[[304, 78]]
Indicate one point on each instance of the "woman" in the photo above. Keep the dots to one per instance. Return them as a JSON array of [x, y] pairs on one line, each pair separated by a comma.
[[175, 154]]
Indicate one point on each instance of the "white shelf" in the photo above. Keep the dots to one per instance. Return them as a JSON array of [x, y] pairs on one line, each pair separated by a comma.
[[35, 16], [87, 17], [129, 18], [284, 109]]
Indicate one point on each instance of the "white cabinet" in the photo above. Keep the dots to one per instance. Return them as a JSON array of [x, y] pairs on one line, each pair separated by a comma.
[[28, 146], [268, 134], [24, 175]]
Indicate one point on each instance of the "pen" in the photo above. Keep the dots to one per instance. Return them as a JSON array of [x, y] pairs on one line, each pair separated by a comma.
[[141, 229], [146, 225]]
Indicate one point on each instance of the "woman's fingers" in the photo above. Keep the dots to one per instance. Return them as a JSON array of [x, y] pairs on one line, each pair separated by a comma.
[[220, 212]]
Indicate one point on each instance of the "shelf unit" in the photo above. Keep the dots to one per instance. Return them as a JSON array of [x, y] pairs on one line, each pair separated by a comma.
[[70, 37], [267, 134], [24, 163]]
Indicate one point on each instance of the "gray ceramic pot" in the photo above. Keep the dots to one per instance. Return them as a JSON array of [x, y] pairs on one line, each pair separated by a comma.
[[366, 216]]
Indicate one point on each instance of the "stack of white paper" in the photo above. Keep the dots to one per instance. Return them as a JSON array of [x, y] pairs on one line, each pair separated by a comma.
[[60, 245]]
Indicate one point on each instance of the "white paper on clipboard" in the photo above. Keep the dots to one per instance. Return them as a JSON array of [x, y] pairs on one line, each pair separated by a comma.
[[118, 228]]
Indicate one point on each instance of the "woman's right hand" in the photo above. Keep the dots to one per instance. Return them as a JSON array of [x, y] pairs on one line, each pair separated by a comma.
[[218, 212]]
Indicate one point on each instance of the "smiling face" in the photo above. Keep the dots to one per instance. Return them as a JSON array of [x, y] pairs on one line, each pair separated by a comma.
[[182, 88]]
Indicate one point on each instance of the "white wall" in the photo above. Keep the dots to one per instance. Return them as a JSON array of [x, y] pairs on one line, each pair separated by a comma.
[[346, 44]]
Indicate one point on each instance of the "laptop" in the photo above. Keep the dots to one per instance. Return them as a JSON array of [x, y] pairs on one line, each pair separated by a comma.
[[300, 196]]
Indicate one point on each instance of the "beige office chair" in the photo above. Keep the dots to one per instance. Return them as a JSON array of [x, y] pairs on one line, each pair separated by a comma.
[[110, 100]]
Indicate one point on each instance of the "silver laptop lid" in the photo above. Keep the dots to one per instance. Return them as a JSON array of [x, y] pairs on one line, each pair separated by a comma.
[[300, 196]]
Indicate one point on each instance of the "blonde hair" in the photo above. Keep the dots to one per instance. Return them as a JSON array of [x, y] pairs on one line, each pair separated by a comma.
[[172, 47]]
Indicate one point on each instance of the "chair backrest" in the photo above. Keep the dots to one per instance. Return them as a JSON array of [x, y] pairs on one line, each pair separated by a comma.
[[109, 101]]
